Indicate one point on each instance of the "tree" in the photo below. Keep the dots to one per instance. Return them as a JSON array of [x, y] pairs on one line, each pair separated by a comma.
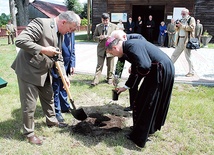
[[4, 19], [84, 12], [23, 14], [12, 12], [75, 6]]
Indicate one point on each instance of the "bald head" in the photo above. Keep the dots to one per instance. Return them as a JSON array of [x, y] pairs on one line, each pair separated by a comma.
[[119, 34]]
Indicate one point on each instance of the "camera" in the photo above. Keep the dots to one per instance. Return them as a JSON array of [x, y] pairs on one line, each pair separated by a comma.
[[178, 21]]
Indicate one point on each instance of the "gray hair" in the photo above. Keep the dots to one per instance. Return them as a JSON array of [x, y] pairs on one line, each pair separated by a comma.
[[186, 10], [69, 16], [118, 34]]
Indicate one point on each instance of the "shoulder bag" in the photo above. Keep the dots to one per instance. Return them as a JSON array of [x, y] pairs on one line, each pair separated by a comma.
[[193, 43]]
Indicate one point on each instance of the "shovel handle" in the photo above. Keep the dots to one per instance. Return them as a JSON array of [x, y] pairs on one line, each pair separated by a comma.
[[64, 83]]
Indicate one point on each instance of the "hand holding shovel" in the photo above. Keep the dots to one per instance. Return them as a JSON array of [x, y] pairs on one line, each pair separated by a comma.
[[79, 114]]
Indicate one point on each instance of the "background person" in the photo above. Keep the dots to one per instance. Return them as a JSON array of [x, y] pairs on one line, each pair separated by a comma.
[[198, 30], [171, 33], [33, 64], [101, 34], [60, 94], [162, 34], [120, 25], [10, 32], [184, 27], [139, 25], [153, 98], [150, 25], [130, 26]]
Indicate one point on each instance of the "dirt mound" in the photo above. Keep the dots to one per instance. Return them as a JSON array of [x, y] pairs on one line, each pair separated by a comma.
[[98, 124]]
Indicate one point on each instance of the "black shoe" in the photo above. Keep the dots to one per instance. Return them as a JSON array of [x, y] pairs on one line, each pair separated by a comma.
[[137, 142], [94, 84], [128, 136], [60, 118], [66, 111], [128, 109], [61, 125]]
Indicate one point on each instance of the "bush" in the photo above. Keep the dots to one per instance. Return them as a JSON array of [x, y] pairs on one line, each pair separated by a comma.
[[84, 22]]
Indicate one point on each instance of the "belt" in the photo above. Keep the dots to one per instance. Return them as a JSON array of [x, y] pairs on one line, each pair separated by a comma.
[[181, 36]]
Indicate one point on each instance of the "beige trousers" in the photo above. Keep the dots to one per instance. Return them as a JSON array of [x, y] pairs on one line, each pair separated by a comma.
[[99, 68], [171, 40], [178, 50]]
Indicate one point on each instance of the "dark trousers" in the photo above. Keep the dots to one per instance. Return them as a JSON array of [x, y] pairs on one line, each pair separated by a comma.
[[10, 37], [150, 35], [60, 96], [133, 91]]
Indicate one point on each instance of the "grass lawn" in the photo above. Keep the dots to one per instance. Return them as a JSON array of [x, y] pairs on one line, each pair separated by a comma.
[[83, 38], [188, 130]]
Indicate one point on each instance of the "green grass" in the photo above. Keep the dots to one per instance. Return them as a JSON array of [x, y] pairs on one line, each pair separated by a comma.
[[188, 130], [211, 46], [83, 38]]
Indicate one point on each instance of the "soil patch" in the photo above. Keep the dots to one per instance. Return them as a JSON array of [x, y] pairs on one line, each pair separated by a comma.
[[98, 124]]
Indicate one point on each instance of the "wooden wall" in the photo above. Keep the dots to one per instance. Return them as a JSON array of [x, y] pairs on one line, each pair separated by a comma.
[[98, 7], [117, 6], [200, 9], [204, 10]]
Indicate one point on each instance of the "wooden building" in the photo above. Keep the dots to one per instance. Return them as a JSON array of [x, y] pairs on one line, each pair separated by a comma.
[[45, 9], [161, 10], [42, 9]]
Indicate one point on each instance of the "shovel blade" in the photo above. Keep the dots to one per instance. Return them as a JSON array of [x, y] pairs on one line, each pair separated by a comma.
[[79, 114]]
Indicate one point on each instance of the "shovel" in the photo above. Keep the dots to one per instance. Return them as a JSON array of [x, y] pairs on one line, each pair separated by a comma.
[[79, 114]]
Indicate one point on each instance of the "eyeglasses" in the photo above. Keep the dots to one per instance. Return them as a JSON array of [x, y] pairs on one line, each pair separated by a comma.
[[183, 14]]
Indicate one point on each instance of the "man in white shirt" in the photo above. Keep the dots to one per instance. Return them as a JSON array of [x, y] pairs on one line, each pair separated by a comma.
[[185, 27]]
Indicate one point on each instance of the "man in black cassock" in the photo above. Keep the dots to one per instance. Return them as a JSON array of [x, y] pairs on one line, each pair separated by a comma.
[[150, 25], [119, 34], [153, 98]]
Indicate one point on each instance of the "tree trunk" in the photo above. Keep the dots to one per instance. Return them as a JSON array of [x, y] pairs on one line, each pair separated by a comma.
[[88, 17], [12, 12], [23, 14]]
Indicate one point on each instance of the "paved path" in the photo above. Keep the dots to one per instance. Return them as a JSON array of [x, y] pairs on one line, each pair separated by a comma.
[[203, 61]]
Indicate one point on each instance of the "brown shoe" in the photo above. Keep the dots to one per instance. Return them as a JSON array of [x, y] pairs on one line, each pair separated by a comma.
[[189, 75], [34, 140], [59, 125]]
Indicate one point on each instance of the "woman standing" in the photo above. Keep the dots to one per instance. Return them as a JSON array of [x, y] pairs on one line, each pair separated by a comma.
[[162, 34], [120, 25]]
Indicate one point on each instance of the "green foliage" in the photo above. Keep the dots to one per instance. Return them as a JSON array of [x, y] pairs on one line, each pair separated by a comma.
[[84, 22], [4, 19], [83, 38], [206, 34], [117, 75], [85, 10], [74, 5], [77, 7], [211, 46]]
